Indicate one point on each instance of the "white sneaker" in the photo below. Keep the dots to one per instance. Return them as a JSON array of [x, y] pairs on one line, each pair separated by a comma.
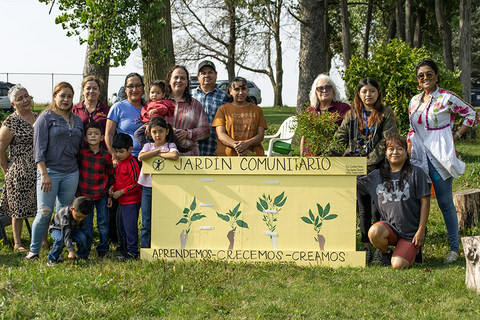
[[32, 256], [452, 256]]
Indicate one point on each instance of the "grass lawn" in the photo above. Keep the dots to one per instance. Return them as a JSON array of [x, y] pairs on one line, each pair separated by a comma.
[[216, 290]]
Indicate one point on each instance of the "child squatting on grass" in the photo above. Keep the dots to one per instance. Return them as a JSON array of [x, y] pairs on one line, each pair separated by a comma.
[[165, 146], [402, 196], [66, 228], [157, 106], [128, 192]]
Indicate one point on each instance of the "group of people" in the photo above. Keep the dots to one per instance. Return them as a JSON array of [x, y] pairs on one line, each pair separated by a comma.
[[95, 152], [395, 192], [89, 156]]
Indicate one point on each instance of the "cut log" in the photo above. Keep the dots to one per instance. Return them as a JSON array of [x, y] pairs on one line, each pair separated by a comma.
[[467, 203], [471, 248]]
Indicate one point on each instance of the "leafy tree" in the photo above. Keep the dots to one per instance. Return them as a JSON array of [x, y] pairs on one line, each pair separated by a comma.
[[393, 67], [119, 27]]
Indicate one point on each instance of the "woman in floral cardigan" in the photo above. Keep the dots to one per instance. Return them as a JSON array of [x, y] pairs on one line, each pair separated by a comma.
[[432, 142]]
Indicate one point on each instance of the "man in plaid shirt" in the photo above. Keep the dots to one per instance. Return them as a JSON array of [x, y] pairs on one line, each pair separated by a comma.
[[211, 97], [96, 177]]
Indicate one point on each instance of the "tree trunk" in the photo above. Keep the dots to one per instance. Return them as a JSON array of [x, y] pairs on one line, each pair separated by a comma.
[[467, 203], [471, 248], [157, 43], [347, 45], [277, 90], [465, 52], [102, 71], [391, 29], [409, 27], [312, 48], [446, 34], [367, 29], [420, 22], [232, 41], [400, 19]]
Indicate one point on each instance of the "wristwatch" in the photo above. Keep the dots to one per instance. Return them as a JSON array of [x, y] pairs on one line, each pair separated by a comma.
[[458, 134]]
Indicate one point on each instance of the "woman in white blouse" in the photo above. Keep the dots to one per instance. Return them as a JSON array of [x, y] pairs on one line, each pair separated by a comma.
[[432, 142]]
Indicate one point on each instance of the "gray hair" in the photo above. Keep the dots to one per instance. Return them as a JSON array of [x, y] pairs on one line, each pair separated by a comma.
[[313, 96], [14, 90]]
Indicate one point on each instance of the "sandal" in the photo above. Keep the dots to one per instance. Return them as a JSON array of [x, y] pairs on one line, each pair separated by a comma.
[[19, 248]]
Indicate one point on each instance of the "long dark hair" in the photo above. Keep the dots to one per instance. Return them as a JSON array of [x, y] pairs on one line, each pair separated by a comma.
[[168, 90], [229, 97], [386, 171], [378, 107], [171, 137]]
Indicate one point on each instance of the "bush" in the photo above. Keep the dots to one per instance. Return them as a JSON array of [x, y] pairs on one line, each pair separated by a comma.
[[393, 67]]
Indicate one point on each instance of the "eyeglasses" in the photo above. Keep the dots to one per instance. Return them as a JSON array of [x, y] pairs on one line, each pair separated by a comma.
[[428, 75], [326, 88], [138, 86]]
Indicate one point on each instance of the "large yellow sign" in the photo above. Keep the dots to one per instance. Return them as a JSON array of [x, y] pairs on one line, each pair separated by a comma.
[[277, 209]]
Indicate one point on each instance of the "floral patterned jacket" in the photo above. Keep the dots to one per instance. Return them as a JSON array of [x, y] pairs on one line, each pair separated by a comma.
[[431, 136]]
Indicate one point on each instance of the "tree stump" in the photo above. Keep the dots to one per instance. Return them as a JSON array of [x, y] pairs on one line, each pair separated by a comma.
[[467, 203], [471, 248]]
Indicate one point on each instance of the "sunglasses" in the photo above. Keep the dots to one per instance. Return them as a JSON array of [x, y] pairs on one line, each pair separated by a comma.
[[326, 88], [428, 75]]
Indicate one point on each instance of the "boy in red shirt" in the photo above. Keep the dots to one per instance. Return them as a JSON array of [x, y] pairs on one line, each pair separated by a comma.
[[128, 192]]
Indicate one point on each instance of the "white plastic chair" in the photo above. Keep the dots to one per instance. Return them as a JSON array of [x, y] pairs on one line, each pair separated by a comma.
[[285, 134]]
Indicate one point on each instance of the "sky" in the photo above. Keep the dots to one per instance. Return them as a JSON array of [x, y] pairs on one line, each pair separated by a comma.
[[33, 44]]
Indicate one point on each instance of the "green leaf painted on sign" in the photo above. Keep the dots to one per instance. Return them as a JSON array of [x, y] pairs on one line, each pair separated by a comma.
[[259, 207], [235, 210], [281, 203], [264, 204], [195, 218], [312, 217], [278, 199], [193, 205], [242, 224], [183, 220], [186, 211], [223, 217], [331, 216], [327, 210], [320, 210], [306, 220]]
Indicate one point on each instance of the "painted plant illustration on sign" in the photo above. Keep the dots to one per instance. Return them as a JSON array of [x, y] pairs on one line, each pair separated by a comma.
[[188, 217], [270, 207], [232, 217], [317, 222]]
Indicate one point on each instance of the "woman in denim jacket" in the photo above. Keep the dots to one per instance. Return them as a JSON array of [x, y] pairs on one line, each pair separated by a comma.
[[58, 135]]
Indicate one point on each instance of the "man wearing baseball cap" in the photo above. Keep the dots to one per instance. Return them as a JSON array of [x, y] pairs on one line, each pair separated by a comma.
[[211, 97]]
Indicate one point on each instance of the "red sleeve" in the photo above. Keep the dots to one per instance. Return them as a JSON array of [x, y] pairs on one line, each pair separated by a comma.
[[134, 170]]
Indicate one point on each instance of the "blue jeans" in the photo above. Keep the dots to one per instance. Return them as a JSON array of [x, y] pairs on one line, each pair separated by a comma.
[[146, 232], [443, 191], [64, 186], [102, 225], [77, 236]]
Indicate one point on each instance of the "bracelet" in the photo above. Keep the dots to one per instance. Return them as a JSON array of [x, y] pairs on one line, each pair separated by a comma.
[[458, 134]]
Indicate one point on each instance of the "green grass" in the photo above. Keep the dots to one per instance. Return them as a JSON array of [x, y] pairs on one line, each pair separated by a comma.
[[108, 288]]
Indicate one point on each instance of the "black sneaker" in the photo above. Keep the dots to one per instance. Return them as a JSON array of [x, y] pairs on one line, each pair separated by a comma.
[[377, 257], [32, 256], [102, 254], [60, 258], [368, 255], [387, 258], [419, 257]]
